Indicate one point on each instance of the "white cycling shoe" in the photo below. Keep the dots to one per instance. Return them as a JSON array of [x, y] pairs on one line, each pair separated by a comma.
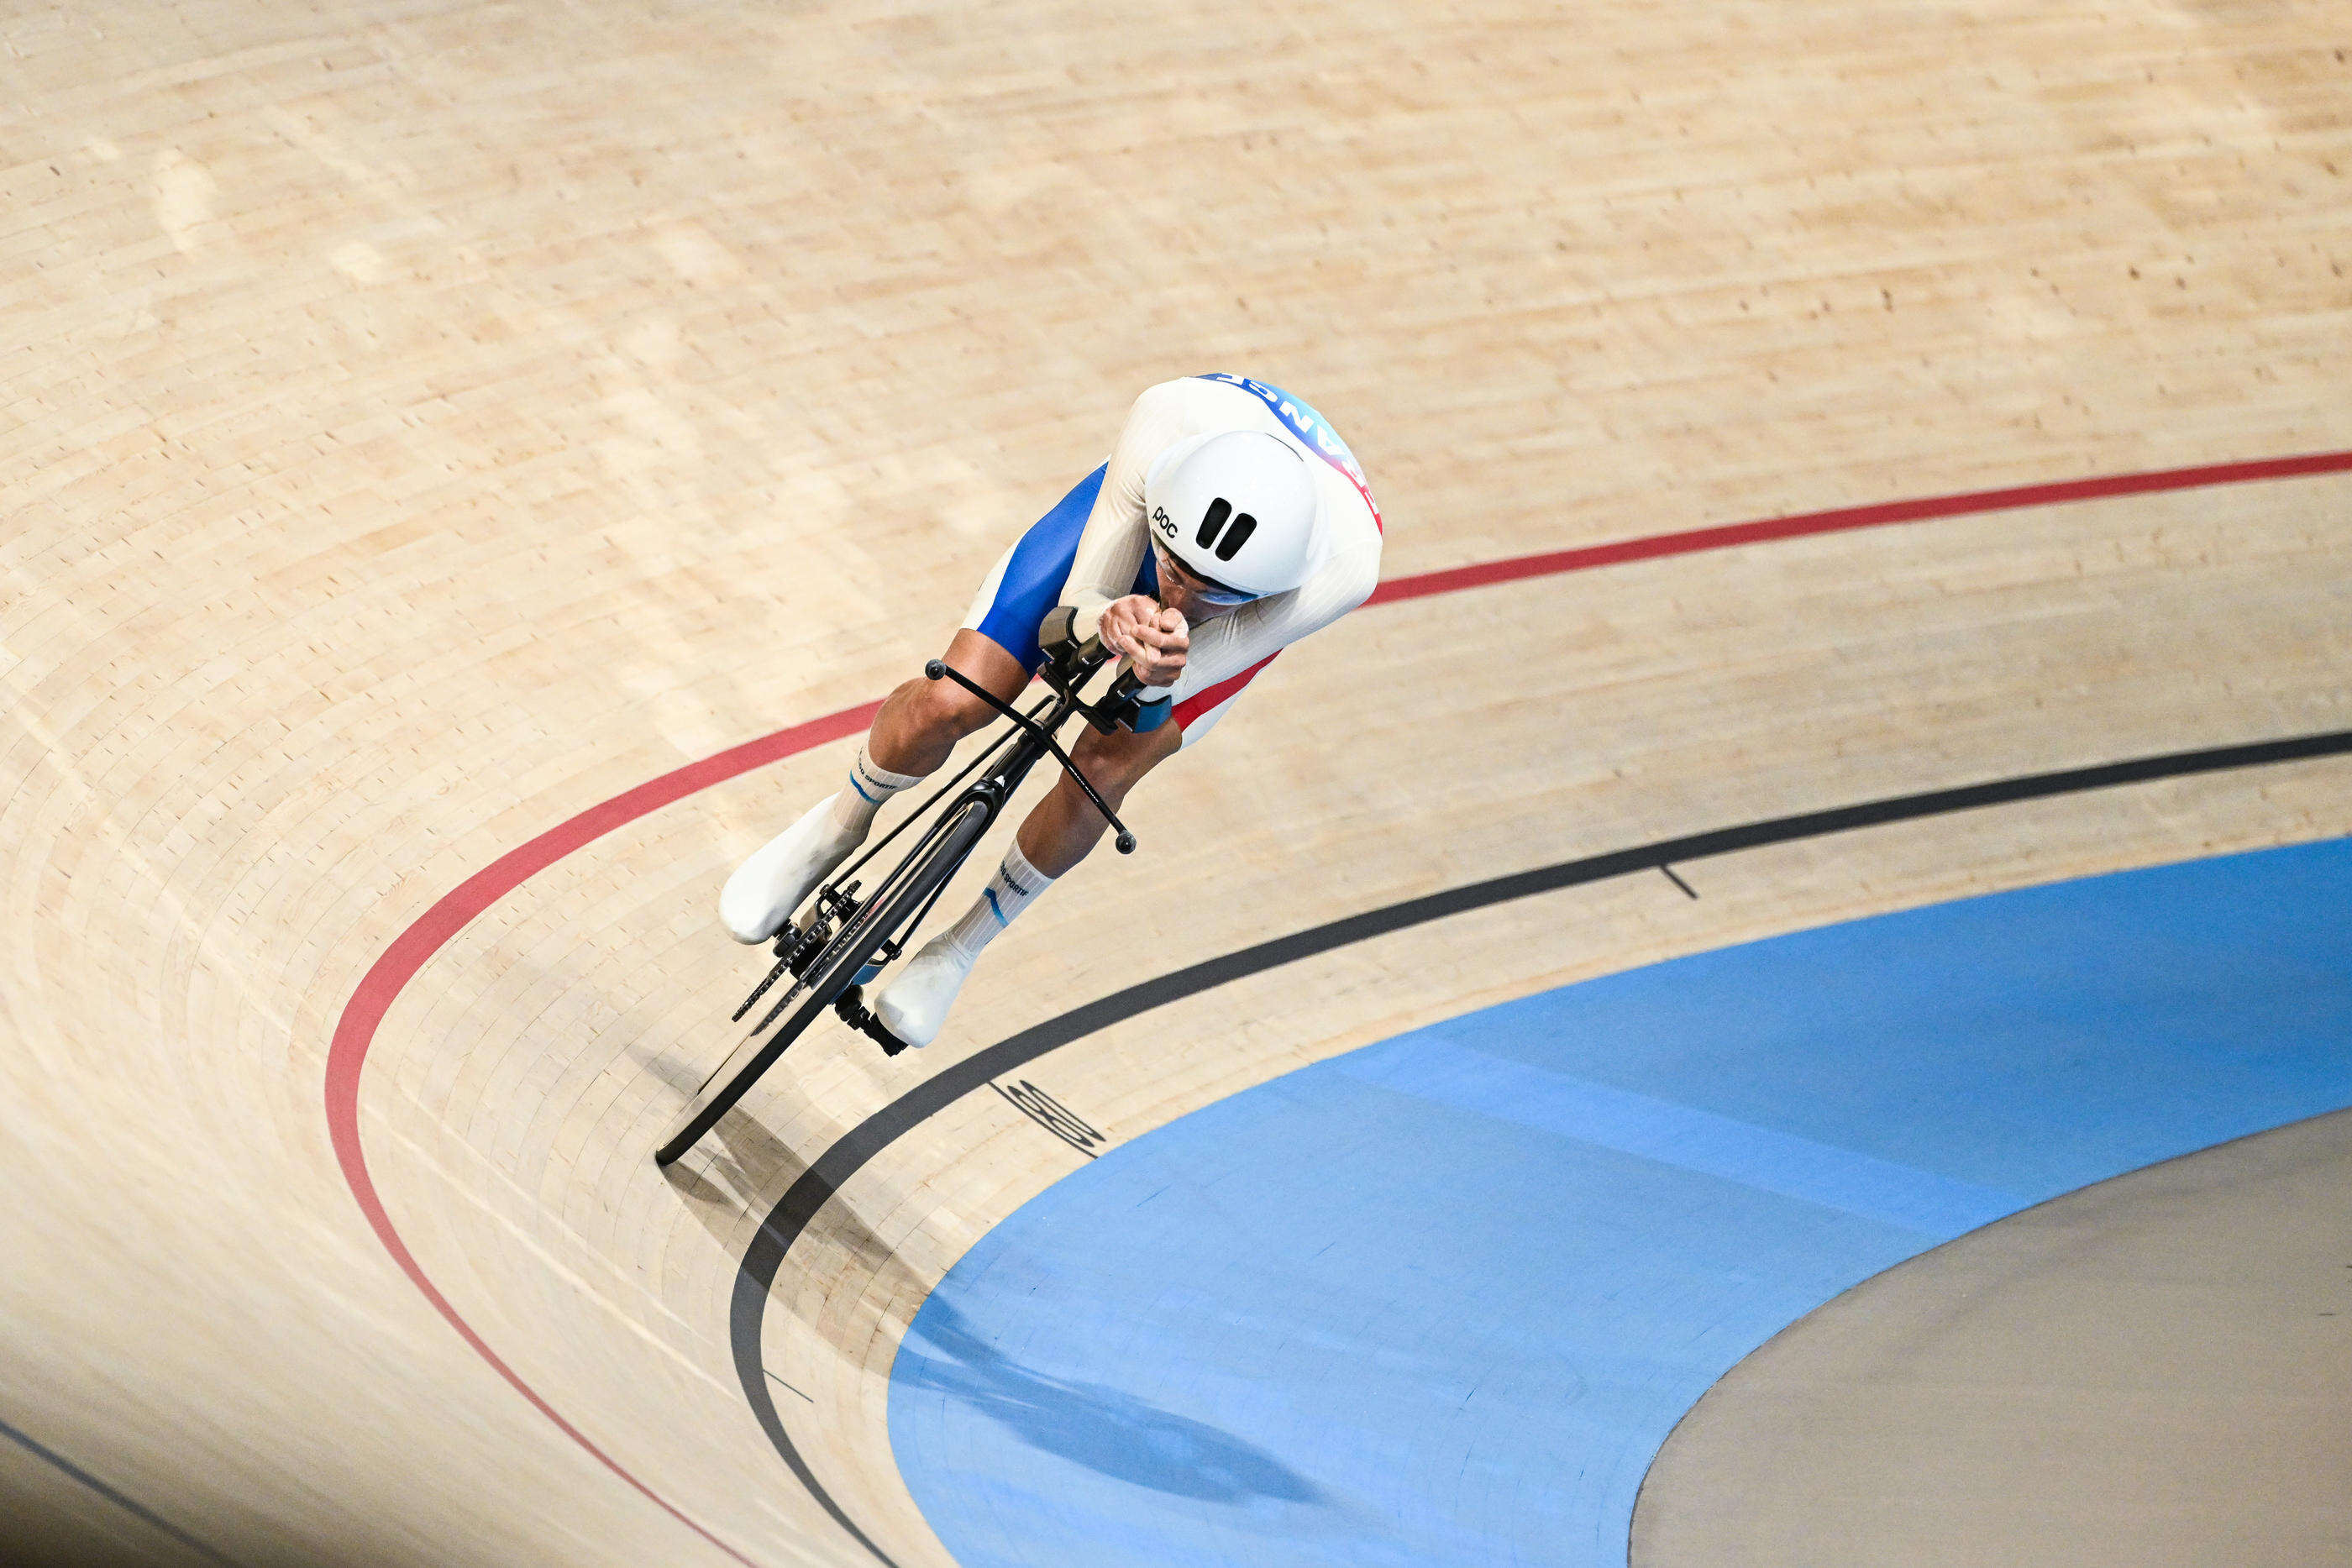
[[917, 1002], [765, 890]]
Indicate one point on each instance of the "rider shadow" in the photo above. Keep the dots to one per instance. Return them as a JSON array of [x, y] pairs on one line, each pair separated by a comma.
[[1108, 1432]]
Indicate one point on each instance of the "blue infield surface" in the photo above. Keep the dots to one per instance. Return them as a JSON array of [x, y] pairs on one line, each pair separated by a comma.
[[1440, 1300]]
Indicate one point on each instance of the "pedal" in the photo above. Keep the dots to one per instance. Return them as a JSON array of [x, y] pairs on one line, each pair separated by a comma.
[[850, 1008]]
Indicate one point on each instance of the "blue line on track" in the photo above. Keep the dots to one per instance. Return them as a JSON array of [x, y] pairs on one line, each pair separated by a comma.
[[1440, 1300]]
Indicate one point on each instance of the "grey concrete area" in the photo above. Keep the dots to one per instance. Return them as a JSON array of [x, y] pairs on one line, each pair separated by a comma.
[[2153, 1371]]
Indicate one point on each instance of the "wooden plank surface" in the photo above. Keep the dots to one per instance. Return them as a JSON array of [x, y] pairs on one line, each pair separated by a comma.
[[424, 420]]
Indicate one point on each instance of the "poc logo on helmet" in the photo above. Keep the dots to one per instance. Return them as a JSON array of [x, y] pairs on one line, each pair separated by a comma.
[[1160, 517]]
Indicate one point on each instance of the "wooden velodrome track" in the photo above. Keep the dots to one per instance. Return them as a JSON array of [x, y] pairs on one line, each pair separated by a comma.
[[426, 422]]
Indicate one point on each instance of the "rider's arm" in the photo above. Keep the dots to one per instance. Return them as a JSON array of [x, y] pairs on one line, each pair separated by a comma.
[[1111, 548], [1230, 643]]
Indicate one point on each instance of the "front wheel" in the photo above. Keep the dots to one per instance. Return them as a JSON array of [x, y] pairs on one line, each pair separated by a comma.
[[896, 902]]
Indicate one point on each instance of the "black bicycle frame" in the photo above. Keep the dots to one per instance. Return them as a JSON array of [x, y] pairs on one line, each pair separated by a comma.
[[1032, 741]]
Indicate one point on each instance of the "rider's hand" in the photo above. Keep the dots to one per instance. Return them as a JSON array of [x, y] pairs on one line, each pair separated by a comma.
[[1153, 640]]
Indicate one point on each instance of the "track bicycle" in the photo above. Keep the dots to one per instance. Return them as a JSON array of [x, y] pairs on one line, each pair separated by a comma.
[[842, 938]]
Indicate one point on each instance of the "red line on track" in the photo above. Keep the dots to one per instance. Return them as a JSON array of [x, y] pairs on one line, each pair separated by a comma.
[[414, 947], [1484, 573], [355, 1030]]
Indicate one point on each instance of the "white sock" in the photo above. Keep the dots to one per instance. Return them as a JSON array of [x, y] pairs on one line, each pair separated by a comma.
[[868, 787], [1014, 888]]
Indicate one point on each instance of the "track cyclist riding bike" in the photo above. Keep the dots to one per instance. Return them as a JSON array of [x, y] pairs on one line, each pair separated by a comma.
[[1230, 522]]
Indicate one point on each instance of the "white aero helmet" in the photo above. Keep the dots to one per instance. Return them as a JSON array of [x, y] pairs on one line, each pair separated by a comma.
[[1238, 510]]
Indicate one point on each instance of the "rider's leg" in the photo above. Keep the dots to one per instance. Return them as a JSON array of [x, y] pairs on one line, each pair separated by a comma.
[[919, 726], [1056, 837], [1065, 825], [920, 722]]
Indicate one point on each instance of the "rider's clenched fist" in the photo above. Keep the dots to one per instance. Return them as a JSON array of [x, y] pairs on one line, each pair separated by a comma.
[[1152, 638]]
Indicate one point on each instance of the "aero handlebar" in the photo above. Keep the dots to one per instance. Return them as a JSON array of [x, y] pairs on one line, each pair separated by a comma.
[[1041, 734]]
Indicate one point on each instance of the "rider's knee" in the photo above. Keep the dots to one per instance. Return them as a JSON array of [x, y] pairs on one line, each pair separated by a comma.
[[1115, 762], [945, 712]]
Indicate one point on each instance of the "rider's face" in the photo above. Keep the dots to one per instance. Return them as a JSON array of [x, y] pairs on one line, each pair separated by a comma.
[[1180, 591]]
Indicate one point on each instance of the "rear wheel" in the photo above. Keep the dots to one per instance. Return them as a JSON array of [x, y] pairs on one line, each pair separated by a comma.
[[893, 905]]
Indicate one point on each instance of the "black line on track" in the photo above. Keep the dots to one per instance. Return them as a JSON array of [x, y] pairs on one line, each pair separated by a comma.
[[40, 1450], [799, 1205]]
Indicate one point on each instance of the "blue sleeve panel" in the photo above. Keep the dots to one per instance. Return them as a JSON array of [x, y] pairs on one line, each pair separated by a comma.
[[1440, 1300], [1033, 577]]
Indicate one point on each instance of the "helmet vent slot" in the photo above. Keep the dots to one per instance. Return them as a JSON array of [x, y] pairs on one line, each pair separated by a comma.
[[1244, 526], [1219, 511]]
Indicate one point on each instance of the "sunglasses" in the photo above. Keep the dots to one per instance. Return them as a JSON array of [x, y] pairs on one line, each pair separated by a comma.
[[1208, 589]]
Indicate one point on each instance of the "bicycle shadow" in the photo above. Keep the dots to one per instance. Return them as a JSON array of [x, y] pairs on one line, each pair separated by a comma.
[[750, 1170], [1107, 1430], [754, 1166]]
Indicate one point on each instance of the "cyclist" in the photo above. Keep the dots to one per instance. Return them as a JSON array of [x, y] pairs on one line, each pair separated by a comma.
[[1230, 521]]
